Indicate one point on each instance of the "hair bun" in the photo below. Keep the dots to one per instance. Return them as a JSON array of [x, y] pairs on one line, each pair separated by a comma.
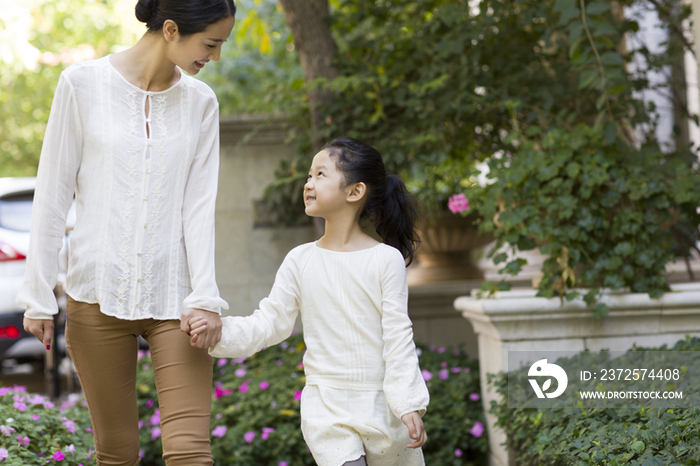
[[146, 10]]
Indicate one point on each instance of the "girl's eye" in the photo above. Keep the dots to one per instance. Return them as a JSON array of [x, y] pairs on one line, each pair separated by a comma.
[[210, 46], [320, 173]]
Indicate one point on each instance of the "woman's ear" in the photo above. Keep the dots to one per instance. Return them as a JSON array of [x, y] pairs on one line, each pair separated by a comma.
[[170, 30], [356, 192]]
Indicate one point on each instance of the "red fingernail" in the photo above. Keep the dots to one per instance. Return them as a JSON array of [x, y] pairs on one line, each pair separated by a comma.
[[189, 334], [48, 347]]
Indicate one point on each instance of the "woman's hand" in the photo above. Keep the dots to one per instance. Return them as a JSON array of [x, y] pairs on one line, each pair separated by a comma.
[[416, 430], [208, 327], [40, 328]]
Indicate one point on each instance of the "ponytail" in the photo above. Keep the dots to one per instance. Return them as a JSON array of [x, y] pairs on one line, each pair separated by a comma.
[[395, 222], [389, 205]]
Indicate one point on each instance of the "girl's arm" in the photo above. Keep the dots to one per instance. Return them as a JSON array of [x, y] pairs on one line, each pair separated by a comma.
[[404, 386], [53, 196], [270, 324]]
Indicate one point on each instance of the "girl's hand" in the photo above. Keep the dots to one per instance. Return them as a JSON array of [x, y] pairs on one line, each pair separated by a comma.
[[416, 430], [203, 327], [40, 328]]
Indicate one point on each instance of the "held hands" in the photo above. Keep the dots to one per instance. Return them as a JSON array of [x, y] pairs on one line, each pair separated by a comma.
[[416, 430], [40, 328], [203, 327]]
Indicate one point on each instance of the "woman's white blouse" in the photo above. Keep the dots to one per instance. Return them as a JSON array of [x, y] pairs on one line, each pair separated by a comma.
[[145, 191]]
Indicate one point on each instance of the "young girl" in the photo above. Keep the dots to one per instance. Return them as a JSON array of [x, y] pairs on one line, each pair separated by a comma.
[[136, 140], [362, 374]]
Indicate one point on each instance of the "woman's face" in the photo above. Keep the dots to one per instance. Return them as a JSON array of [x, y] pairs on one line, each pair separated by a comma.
[[192, 52]]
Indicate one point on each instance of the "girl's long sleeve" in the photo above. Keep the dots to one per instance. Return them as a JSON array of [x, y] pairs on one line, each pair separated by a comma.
[[404, 386], [198, 212], [58, 168], [270, 324]]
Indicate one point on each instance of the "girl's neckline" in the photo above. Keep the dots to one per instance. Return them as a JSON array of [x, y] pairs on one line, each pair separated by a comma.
[[134, 86], [347, 252]]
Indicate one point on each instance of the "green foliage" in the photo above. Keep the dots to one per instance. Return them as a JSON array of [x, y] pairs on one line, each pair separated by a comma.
[[615, 437], [43, 38], [241, 406], [51, 431]]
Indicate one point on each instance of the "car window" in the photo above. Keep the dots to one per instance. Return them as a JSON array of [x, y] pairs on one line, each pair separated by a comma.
[[16, 212]]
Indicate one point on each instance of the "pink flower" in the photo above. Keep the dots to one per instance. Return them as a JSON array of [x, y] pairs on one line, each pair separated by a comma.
[[221, 362], [441, 349], [283, 463], [243, 388], [264, 385], [4, 454], [36, 417], [444, 374], [155, 419], [249, 436], [20, 406], [5, 390], [474, 396], [24, 441], [455, 370], [150, 403], [466, 369], [458, 453], [68, 424], [443, 364], [300, 365], [219, 392], [240, 372], [219, 431], [155, 433], [297, 395], [58, 456], [458, 203], [7, 431], [477, 430], [266, 431], [70, 449], [426, 375]]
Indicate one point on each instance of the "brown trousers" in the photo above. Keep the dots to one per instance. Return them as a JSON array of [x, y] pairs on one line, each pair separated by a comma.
[[104, 351]]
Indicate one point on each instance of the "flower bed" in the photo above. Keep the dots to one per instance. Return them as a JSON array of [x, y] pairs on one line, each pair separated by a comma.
[[255, 414]]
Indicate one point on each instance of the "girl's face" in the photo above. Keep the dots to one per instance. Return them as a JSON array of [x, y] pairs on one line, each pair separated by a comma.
[[323, 191], [192, 52]]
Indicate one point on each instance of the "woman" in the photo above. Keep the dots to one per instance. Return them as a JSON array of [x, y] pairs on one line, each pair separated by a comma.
[[137, 142]]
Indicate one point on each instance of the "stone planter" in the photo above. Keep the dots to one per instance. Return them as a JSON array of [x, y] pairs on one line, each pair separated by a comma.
[[519, 321], [445, 253]]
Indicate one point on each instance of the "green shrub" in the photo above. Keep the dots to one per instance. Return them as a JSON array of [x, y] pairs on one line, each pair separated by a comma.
[[34, 431], [255, 413], [615, 437]]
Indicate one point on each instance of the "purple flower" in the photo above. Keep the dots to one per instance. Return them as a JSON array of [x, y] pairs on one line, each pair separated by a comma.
[[7, 431], [477, 430], [70, 449], [240, 372], [58, 456], [474, 396], [24, 441], [283, 463], [444, 374], [264, 385], [249, 436], [68, 424], [140, 424], [5, 390], [279, 362], [155, 419], [219, 392], [155, 433], [20, 406], [297, 395], [243, 388], [36, 417], [458, 453], [441, 349], [455, 370], [219, 431], [466, 369], [4, 454], [458, 203], [150, 403], [221, 362], [443, 364], [266, 431], [426, 375]]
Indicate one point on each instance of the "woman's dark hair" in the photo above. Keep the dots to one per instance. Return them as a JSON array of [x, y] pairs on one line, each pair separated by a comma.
[[389, 206], [191, 16]]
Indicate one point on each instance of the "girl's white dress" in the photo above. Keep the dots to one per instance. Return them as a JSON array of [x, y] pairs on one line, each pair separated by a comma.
[[361, 366]]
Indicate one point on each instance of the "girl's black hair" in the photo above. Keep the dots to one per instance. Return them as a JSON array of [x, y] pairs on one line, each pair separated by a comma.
[[389, 206], [191, 16]]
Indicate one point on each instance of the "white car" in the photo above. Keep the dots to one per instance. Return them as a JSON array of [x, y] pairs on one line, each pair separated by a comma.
[[16, 197]]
